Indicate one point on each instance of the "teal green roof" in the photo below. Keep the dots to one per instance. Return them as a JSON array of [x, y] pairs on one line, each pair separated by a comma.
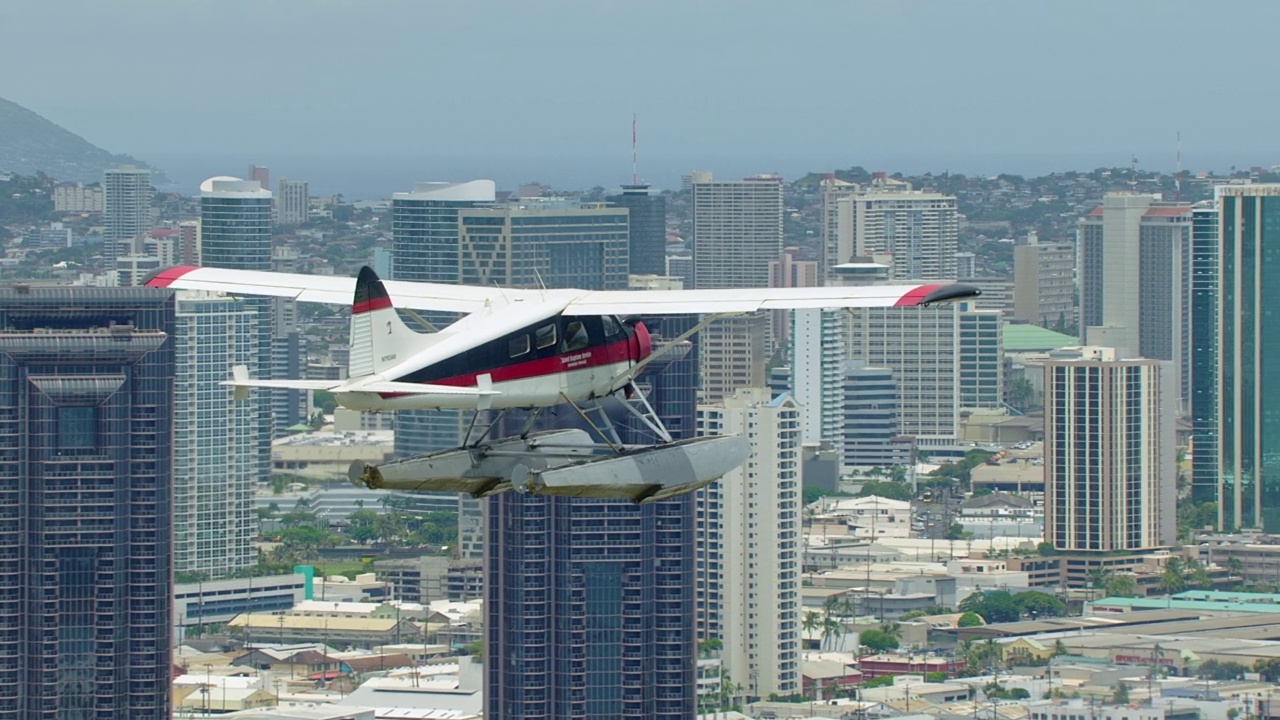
[[1228, 596], [1158, 603], [1022, 337]]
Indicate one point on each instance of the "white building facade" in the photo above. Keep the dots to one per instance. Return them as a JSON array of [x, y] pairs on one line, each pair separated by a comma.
[[216, 462], [752, 517]]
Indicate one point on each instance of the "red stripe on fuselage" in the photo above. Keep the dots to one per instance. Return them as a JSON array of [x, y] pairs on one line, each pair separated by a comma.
[[915, 297], [371, 305], [165, 278], [615, 352]]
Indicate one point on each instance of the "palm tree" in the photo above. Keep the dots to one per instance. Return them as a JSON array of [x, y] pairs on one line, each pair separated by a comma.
[[831, 628], [811, 621]]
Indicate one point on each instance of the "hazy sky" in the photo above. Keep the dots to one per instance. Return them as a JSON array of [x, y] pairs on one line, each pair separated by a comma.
[[726, 85]]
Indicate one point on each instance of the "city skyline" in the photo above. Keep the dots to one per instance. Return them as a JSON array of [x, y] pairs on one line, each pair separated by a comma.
[[990, 67]]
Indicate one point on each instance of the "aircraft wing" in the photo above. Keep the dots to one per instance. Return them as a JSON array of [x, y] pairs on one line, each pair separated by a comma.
[[734, 301], [330, 289]]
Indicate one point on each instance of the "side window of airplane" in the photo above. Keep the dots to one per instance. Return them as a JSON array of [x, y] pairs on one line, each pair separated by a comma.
[[518, 346], [545, 336], [610, 325], [575, 336]]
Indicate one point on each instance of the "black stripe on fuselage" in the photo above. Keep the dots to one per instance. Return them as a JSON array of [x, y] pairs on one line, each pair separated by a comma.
[[497, 353]]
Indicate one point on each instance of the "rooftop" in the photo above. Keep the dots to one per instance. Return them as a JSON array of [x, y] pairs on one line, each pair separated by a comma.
[[1023, 337]]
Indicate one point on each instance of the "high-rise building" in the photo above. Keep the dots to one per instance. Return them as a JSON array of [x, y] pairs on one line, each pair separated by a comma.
[[260, 174], [752, 515], [981, 359], [1248, 357], [733, 354], [817, 373], [1044, 283], [837, 224], [424, 228], [590, 602], [215, 460], [126, 210], [189, 242], [424, 248], [922, 348], [737, 231], [920, 230], [292, 202], [235, 224], [647, 227], [1109, 451], [77, 197], [966, 265], [871, 418], [789, 271], [235, 233], [1135, 278], [1206, 480], [535, 244], [86, 410]]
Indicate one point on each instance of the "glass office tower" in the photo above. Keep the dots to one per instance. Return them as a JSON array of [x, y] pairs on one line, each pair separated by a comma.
[[86, 411]]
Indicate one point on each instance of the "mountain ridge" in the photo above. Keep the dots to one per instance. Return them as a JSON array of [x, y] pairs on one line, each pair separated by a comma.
[[31, 143]]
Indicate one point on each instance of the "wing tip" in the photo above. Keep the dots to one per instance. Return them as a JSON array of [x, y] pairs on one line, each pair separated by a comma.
[[946, 293]]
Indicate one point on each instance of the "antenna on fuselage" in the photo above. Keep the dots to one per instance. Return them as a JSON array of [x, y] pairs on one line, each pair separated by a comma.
[[542, 287], [502, 291]]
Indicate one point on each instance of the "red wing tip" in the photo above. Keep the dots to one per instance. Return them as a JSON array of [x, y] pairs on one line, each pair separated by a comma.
[[168, 276], [916, 295]]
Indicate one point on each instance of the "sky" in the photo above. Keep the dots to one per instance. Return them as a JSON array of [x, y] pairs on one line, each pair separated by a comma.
[[382, 93]]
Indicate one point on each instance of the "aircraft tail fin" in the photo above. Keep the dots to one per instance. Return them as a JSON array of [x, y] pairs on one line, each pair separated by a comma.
[[379, 338]]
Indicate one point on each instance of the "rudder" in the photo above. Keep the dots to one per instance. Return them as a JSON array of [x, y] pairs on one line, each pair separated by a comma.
[[379, 338]]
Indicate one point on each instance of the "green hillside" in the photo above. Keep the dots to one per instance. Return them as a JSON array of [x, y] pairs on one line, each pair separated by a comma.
[[30, 144]]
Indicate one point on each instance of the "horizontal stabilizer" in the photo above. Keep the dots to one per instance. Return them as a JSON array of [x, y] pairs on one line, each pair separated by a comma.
[[406, 388], [286, 384]]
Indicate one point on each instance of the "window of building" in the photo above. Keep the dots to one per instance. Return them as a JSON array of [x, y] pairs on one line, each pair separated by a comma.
[[76, 427]]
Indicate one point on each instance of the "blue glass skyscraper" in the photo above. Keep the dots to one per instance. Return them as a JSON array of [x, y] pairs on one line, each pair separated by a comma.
[[86, 412], [1248, 361]]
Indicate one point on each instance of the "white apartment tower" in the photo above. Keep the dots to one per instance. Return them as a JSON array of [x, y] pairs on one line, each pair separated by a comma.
[[752, 516], [1109, 452], [126, 210], [216, 462], [737, 231], [919, 230], [817, 372], [292, 202]]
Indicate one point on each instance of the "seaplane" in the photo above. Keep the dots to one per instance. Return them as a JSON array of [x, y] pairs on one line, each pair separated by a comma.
[[526, 350]]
